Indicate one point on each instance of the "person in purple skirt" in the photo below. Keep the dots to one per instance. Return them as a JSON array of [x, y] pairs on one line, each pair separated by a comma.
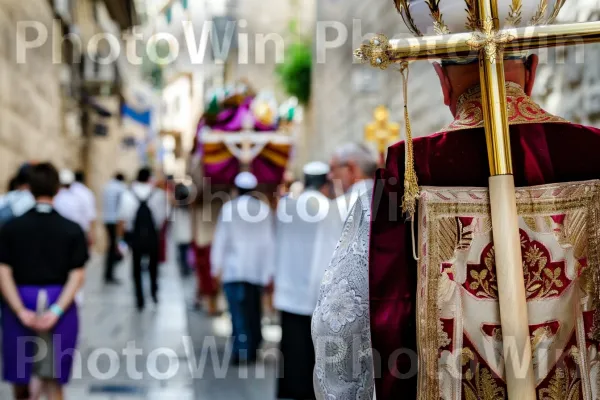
[[42, 258]]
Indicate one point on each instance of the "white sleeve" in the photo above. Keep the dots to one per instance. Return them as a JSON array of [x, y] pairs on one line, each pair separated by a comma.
[[124, 213], [92, 213], [279, 219], [341, 319], [218, 248], [270, 257]]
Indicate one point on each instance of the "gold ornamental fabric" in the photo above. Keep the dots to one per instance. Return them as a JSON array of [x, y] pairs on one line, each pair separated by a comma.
[[461, 347]]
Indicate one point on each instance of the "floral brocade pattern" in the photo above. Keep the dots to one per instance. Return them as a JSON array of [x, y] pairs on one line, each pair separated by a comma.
[[544, 278], [521, 109], [340, 322], [459, 327]]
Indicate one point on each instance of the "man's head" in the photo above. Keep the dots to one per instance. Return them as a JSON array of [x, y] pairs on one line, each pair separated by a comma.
[[66, 177], [316, 175], [44, 181], [21, 180], [245, 182], [352, 163], [144, 175], [181, 194], [80, 176], [120, 177], [457, 79]]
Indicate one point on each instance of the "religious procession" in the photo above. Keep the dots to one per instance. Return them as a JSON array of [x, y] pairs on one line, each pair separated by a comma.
[[261, 200]]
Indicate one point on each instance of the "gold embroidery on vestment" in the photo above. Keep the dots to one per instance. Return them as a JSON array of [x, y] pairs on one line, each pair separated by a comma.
[[482, 385], [564, 385], [537, 203], [521, 110]]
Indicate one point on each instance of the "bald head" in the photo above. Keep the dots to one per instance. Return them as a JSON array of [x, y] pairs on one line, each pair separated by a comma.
[[457, 79]]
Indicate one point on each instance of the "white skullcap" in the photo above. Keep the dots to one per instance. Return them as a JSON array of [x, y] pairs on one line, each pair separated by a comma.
[[66, 176], [316, 168], [246, 180]]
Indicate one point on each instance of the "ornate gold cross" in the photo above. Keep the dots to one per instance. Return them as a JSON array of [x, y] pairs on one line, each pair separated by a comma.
[[381, 131], [489, 40]]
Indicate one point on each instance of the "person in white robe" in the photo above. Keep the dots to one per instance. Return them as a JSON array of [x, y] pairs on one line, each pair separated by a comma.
[[353, 167], [242, 259], [298, 218], [67, 203], [71, 206], [88, 199]]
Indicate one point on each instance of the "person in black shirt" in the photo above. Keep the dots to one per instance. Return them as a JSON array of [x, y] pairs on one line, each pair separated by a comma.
[[42, 257]]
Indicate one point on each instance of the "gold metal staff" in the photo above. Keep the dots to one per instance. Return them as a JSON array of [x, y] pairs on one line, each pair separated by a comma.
[[491, 43]]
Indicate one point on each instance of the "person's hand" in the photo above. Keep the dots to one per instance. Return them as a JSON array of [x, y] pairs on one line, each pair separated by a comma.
[[46, 322], [27, 318]]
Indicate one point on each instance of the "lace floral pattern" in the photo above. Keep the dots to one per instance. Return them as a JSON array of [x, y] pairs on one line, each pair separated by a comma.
[[341, 306], [341, 320]]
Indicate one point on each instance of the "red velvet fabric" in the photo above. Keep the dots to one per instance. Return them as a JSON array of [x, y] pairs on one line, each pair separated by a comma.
[[542, 153], [206, 283]]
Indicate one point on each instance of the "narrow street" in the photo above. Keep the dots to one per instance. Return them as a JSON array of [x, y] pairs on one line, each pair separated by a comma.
[[169, 352]]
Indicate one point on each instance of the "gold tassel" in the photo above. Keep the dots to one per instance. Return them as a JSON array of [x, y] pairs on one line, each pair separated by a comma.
[[411, 186]]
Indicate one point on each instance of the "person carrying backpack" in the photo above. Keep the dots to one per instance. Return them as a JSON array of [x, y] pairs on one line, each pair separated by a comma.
[[142, 212]]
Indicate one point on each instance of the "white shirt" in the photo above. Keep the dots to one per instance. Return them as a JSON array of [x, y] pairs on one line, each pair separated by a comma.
[[243, 246], [297, 224], [89, 203], [20, 201], [129, 204], [330, 231], [71, 206], [182, 225], [111, 197]]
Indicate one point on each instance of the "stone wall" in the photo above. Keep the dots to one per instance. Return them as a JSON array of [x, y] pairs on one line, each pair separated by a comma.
[[263, 18], [345, 93], [31, 118], [568, 80]]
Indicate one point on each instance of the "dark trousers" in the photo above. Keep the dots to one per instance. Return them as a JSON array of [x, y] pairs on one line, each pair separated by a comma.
[[244, 300], [112, 252], [182, 258], [152, 258], [295, 380]]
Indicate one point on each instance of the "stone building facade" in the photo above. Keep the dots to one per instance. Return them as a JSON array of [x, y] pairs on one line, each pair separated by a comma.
[[40, 102], [345, 93], [31, 117]]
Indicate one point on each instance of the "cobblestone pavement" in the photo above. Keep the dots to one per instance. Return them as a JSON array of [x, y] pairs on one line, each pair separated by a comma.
[[175, 352]]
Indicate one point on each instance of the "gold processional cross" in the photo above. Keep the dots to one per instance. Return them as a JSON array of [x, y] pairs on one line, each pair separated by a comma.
[[381, 131], [491, 43]]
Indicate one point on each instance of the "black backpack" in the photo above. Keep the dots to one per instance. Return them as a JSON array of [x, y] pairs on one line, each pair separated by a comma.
[[145, 234]]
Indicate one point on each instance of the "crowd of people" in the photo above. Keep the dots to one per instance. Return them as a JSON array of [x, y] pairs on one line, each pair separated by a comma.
[[287, 247], [47, 230], [258, 251]]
